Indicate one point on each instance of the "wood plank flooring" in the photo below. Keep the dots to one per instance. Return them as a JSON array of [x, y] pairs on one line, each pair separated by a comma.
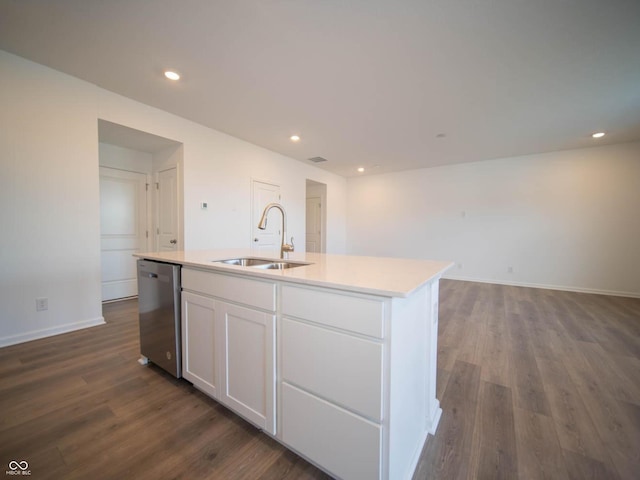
[[534, 384]]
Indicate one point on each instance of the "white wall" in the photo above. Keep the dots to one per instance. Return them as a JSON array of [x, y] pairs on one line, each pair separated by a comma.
[[49, 202], [49, 193], [218, 169], [566, 219]]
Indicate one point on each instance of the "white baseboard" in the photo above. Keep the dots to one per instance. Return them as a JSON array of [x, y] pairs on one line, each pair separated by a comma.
[[433, 422], [432, 425], [415, 458], [49, 332], [545, 286]]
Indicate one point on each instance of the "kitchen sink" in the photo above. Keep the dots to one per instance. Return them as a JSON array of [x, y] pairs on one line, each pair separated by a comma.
[[281, 265], [262, 263], [245, 262]]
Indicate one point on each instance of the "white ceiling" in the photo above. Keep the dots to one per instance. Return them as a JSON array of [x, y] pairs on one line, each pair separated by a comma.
[[363, 82]]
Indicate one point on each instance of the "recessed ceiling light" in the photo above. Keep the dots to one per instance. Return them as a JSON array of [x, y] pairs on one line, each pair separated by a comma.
[[294, 138], [361, 169], [598, 135], [171, 75]]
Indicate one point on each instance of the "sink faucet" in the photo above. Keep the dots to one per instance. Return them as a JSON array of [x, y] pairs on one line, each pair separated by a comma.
[[284, 247]]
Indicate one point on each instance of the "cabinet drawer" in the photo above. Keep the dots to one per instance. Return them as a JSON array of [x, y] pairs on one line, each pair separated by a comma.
[[343, 443], [356, 314], [333, 365], [241, 290]]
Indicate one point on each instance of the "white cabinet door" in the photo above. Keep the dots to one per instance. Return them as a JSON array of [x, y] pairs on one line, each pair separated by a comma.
[[247, 347], [198, 342]]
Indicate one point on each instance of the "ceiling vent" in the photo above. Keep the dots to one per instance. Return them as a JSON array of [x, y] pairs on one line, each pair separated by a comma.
[[317, 159]]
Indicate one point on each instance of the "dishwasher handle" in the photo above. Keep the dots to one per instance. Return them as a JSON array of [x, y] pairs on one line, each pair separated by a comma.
[[160, 277], [147, 274]]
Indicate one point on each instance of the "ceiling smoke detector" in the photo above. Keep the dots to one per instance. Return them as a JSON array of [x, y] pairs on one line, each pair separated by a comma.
[[317, 159]]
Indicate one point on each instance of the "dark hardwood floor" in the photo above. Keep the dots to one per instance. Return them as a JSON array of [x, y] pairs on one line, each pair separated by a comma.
[[533, 384]]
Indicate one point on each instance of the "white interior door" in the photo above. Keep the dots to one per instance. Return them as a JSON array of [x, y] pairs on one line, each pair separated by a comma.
[[313, 240], [123, 230], [267, 240], [167, 210]]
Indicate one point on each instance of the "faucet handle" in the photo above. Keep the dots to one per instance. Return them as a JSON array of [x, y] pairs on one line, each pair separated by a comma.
[[288, 247]]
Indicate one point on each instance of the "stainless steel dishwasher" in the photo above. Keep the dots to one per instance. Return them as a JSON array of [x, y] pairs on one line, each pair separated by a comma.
[[159, 315]]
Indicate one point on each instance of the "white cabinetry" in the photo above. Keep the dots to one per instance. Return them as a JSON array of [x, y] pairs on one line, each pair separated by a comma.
[[357, 379], [332, 377], [344, 444], [199, 364], [356, 373], [229, 342], [247, 349]]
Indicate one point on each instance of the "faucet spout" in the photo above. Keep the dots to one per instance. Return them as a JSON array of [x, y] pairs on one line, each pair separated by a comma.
[[284, 247]]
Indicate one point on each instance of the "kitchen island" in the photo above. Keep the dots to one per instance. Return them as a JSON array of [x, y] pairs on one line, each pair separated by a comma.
[[336, 358]]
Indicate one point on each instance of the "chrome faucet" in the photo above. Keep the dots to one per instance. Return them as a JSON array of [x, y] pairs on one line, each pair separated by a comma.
[[284, 247]]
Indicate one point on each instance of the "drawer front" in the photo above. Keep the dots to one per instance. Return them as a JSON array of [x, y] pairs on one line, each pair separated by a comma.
[[355, 314], [333, 365], [344, 444], [241, 290]]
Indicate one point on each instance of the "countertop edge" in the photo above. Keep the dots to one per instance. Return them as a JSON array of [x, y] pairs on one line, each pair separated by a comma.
[[276, 275]]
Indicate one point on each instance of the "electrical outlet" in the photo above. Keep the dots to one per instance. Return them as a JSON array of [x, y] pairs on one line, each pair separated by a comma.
[[42, 304], [459, 265], [509, 269]]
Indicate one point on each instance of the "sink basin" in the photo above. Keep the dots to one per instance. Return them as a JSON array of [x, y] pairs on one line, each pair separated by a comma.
[[245, 262], [262, 263], [281, 265]]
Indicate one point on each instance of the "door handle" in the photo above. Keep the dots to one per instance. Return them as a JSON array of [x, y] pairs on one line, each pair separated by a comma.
[[173, 242], [255, 239]]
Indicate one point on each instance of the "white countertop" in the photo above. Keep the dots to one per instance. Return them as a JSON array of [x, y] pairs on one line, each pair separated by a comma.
[[389, 277]]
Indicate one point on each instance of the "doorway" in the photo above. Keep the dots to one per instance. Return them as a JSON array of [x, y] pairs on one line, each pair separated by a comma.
[[166, 213], [141, 201], [123, 229], [262, 194], [315, 217]]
